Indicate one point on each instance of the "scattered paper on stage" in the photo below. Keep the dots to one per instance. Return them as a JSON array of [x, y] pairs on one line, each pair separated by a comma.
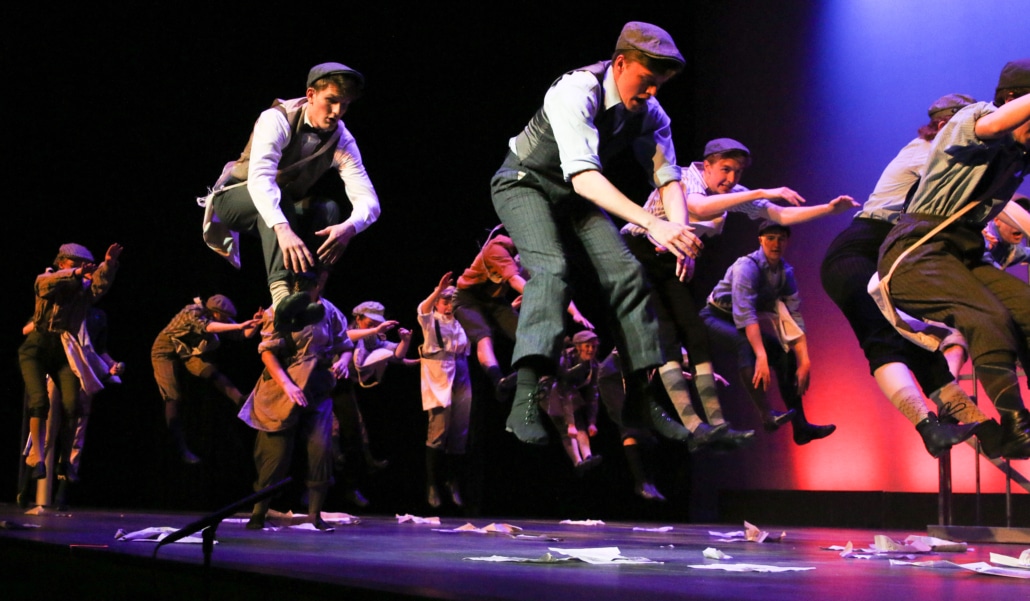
[[748, 567], [153, 535], [980, 567], [885, 544], [310, 526], [545, 558], [757, 535], [713, 553], [488, 529], [582, 522], [734, 536], [1023, 561], [414, 519], [751, 533], [658, 529], [597, 555]]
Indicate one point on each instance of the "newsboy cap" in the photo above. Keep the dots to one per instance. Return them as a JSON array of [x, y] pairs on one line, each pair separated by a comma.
[[650, 40], [948, 105], [720, 145], [1015, 74], [372, 310], [325, 69], [74, 251], [221, 304]]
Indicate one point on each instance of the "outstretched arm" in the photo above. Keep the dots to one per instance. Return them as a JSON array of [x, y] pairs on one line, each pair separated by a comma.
[[706, 207], [426, 306], [1006, 118], [795, 215]]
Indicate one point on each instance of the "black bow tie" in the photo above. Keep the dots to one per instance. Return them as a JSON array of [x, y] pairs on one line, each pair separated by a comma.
[[323, 134]]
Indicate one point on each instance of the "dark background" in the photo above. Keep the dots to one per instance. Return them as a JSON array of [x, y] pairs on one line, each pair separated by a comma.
[[117, 118]]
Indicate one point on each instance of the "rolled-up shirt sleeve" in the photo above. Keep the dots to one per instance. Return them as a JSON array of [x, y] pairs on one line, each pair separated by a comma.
[[745, 284], [571, 105]]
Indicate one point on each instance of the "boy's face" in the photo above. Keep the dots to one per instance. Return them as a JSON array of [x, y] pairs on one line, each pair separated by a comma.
[[722, 175], [445, 306], [636, 83], [587, 350], [773, 244], [326, 107], [1007, 233], [70, 263]]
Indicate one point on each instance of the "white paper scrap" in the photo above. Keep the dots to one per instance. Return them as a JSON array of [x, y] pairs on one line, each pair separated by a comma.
[[414, 519], [1010, 562], [545, 558], [748, 567], [153, 535], [598, 555], [713, 553]]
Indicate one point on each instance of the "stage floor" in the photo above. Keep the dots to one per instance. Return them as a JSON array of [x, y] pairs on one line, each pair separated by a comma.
[[75, 554]]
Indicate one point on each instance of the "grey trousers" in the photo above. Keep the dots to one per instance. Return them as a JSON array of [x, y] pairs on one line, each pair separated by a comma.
[[547, 223]]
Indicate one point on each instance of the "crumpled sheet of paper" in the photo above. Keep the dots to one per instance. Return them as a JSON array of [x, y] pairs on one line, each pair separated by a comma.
[[980, 567], [849, 551], [153, 535], [885, 544], [582, 522], [545, 558], [749, 567], [594, 555], [1023, 561], [713, 553], [414, 519], [751, 533], [488, 529], [658, 529]]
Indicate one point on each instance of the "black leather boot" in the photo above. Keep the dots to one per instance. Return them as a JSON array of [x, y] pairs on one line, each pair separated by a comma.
[[642, 411], [805, 432], [939, 438], [1015, 433], [704, 435], [990, 436]]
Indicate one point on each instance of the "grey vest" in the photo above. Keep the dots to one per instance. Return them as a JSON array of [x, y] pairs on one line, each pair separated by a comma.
[[296, 181], [537, 149]]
